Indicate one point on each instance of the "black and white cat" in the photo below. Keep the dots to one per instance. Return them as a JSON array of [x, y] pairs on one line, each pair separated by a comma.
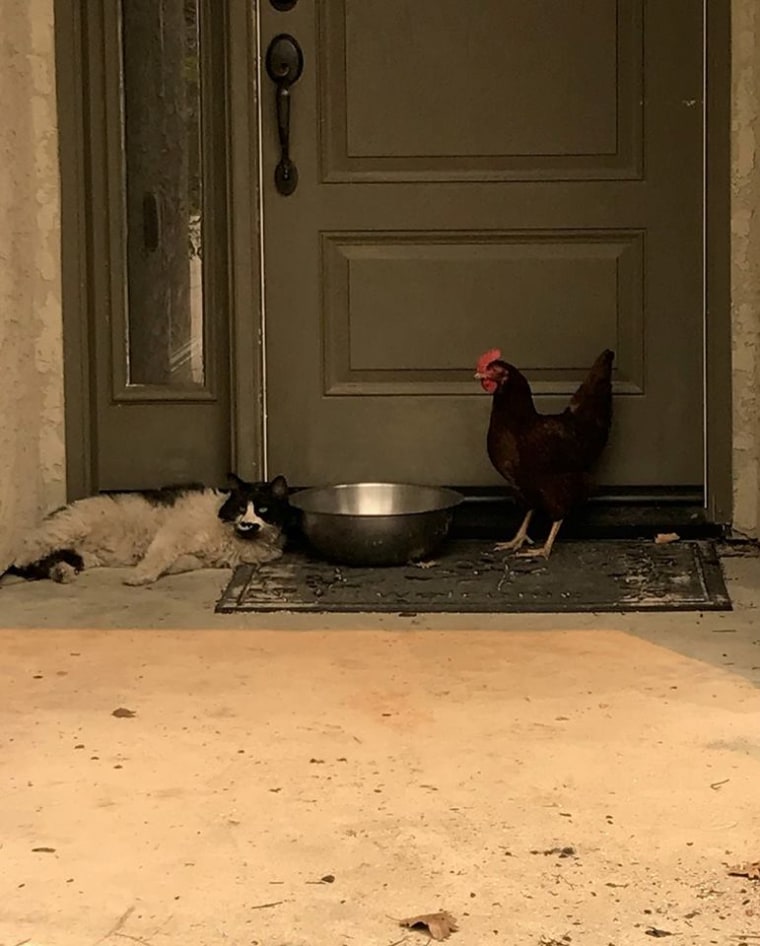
[[160, 532]]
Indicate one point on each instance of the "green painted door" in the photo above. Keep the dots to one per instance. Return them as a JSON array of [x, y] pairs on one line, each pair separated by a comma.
[[511, 174]]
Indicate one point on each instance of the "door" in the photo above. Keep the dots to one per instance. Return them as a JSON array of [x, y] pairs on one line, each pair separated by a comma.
[[154, 78], [511, 174]]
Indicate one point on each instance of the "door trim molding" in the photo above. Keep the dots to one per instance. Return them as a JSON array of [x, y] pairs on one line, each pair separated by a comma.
[[75, 247], [248, 404], [717, 263]]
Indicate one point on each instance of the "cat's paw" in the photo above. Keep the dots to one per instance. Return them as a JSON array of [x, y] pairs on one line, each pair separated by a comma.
[[63, 573], [138, 579]]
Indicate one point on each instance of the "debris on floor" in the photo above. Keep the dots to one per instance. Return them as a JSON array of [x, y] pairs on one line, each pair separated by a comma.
[[559, 851], [439, 925], [327, 879], [751, 870], [122, 712], [739, 547], [664, 538]]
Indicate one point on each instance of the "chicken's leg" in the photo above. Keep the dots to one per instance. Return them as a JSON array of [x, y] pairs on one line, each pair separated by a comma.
[[546, 549], [520, 537]]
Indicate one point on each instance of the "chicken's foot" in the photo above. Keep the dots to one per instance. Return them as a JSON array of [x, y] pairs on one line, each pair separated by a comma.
[[520, 538], [546, 549]]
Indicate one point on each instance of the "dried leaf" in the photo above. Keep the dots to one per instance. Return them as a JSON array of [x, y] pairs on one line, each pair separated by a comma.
[[663, 538], [559, 851], [653, 931], [439, 925], [122, 713], [752, 870]]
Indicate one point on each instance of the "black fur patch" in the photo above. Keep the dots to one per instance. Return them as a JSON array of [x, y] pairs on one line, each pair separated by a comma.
[[40, 570], [168, 495], [54, 513]]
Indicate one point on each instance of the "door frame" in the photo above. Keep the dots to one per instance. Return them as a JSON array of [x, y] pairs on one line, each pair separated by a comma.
[[247, 322]]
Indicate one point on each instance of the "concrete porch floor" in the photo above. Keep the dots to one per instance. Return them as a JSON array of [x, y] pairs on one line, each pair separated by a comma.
[[421, 762]]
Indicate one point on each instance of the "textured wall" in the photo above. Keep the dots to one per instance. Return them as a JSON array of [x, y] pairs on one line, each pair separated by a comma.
[[32, 473], [745, 253]]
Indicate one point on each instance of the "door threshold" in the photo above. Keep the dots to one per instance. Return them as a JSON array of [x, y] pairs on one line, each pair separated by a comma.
[[630, 515]]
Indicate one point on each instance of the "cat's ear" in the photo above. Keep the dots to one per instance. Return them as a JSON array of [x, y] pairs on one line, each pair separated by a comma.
[[279, 487], [234, 480]]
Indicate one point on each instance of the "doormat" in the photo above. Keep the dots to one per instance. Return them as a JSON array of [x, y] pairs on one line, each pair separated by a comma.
[[470, 577]]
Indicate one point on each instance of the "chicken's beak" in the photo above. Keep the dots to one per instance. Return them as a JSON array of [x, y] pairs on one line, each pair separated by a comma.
[[478, 376]]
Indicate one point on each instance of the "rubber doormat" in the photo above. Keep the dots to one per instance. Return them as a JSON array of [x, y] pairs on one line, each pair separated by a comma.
[[470, 577]]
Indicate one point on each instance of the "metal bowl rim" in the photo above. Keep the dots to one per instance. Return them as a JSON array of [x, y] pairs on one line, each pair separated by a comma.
[[455, 498]]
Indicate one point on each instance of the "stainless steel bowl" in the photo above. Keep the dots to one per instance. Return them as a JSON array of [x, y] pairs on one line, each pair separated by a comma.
[[376, 523]]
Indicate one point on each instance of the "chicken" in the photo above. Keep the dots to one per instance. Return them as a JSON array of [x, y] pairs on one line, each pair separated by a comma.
[[545, 458]]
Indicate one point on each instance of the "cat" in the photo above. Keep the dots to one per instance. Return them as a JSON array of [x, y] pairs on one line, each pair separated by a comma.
[[160, 532]]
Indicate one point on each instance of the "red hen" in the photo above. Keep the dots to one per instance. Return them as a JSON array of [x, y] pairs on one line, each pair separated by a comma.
[[545, 458]]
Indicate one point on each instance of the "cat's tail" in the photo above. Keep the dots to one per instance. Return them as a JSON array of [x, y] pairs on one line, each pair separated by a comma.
[[57, 565]]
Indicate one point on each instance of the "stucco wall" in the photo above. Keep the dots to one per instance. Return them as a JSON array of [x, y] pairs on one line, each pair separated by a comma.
[[746, 263], [32, 472]]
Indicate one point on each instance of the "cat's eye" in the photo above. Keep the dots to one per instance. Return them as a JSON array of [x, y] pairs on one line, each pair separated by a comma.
[[263, 509]]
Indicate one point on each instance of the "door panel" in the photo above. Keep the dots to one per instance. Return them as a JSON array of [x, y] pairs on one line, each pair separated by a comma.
[[454, 98], [461, 96], [407, 275], [476, 176], [159, 295]]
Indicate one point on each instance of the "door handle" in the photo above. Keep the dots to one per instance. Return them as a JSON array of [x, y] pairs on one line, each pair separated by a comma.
[[284, 63]]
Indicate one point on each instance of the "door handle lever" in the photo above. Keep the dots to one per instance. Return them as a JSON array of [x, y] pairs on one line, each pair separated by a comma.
[[284, 65]]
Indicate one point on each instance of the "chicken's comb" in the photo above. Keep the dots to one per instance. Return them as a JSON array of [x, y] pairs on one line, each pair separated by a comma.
[[485, 360]]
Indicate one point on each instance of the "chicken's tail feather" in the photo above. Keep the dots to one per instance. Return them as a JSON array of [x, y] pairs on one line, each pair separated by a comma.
[[598, 384], [591, 406]]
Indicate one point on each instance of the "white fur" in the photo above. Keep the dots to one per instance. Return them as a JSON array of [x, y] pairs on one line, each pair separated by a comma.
[[125, 529]]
